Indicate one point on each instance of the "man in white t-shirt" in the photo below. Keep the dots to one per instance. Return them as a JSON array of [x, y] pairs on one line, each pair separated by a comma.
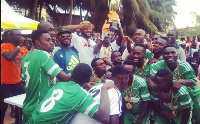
[[83, 43], [120, 78]]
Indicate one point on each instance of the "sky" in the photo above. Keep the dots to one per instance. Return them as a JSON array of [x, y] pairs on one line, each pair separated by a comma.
[[183, 9]]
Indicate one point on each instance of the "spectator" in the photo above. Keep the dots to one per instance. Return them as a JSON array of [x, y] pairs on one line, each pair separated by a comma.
[[172, 36], [66, 57], [116, 58], [194, 62], [83, 43], [193, 49], [37, 71], [11, 56]]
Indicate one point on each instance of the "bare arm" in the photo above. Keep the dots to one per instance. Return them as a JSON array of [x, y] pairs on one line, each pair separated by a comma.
[[98, 46], [103, 113], [143, 112], [150, 82], [177, 84], [10, 55], [185, 116], [80, 26], [62, 76], [120, 36], [129, 47], [114, 119]]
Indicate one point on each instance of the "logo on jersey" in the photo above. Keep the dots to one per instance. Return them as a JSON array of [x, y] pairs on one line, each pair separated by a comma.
[[73, 62], [61, 56]]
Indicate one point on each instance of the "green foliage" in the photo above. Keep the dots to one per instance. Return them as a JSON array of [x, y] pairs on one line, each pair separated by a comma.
[[189, 31]]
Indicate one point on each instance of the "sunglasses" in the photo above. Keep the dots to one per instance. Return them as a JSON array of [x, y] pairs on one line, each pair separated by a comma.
[[65, 35]]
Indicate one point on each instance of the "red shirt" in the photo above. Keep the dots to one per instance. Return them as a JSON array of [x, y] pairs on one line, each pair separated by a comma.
[[11, 70]]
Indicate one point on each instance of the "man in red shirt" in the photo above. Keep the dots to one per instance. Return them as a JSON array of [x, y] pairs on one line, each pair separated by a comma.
[[11, 56]]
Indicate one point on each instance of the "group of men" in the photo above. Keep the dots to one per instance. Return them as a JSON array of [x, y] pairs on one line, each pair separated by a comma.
[[83, 81]]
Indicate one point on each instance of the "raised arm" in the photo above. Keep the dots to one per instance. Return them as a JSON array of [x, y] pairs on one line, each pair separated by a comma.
[[120, 35], [98, 46], [103, 113]]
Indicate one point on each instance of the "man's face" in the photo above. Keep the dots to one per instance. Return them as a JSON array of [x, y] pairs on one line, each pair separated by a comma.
[[161, 83], [117, 58], [124, 81], [100, 66], [172, 37], [170, 55], [155, 38], [138, 54], [130, 69], [87, 32], [46, 43], [65, 38], [108, 36], [138, 36], [158, 45], [17, 36], [50, 29]]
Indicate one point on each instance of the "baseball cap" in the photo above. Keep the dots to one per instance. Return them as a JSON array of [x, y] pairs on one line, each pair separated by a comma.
[[62, 29]]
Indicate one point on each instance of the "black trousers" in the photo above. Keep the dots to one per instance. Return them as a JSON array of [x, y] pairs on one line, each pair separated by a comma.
[[6, 90]]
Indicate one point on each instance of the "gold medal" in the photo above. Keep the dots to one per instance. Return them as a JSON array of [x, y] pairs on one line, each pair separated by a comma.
[[174, 113], [128, 105]]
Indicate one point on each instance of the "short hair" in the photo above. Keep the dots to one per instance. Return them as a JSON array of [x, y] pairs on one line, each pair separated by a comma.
[[94, 61], [112, 54], [166, 39], [81, 73], [37, 34], [195, 54], [11, 32], [118, 70], [141, 45], [131, 31], [128, 62], [169, 45], [39, 27], [176, 32], [165, 74], [5, 34]]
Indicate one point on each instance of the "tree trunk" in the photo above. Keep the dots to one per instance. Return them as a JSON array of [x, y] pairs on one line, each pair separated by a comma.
[[64, 17], [33, 10], [70, 13], [40, 11]]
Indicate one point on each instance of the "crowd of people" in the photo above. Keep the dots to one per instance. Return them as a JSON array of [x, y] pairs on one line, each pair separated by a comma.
[[82, 78]]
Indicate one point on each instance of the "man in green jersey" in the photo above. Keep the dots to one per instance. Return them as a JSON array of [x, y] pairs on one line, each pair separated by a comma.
[[183, 74], [66, 98], [178, 105], [137, 98], [158, 45], [38, 68], [138, 56]]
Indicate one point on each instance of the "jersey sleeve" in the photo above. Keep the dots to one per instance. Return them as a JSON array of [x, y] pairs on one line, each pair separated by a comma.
[[4, 48], [88, 105], [185, 99], [50, 66], [144, 91], [154, 69], [189, 74]]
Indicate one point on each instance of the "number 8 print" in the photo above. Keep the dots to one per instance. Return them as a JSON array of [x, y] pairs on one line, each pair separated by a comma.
[[57, 94]]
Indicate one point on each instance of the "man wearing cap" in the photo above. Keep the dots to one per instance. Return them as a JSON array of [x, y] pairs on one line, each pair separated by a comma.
[[83, 43], [66, 57]]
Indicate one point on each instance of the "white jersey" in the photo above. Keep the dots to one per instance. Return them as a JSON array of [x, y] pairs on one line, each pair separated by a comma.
[[115, 105], [106, 52], [84, 47]]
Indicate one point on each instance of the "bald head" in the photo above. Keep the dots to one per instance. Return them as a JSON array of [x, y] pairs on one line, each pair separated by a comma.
[[139, 36], [48, 27]]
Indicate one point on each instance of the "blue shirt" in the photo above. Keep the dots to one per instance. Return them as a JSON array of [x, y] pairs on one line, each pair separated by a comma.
[[67, 59]]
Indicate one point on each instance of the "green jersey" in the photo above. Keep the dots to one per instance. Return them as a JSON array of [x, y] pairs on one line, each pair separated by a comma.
[[185, 72], [61, 102], [37, 71], [148, 54], [182, 100], [140, 93], [143, 71]]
